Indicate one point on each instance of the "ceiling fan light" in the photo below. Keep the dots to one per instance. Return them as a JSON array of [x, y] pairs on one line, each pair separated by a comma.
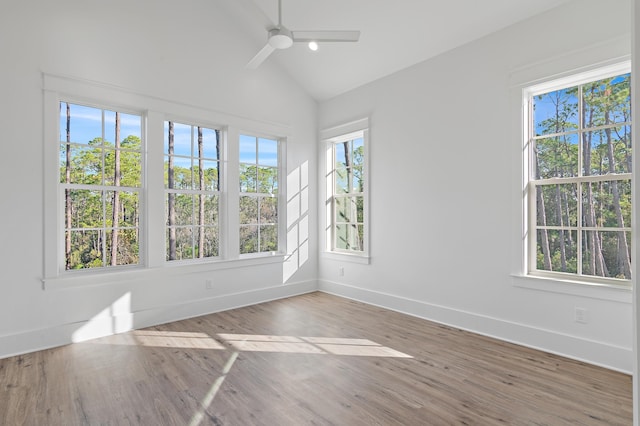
[[313, 45], [280, 38]]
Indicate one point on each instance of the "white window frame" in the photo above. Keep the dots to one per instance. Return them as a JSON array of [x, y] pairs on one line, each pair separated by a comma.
[[330, 137], [194, 157], [105, 188], [154, 111], [529, 206], [281, 196]]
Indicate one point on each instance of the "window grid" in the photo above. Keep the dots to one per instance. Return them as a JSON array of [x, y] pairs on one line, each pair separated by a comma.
[[192, 188], [100, 182], [347, 200], [259, 179], [614, 179]]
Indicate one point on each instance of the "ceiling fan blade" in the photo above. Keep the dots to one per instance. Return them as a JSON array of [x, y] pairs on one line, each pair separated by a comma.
[[260, 57], [324, 36]]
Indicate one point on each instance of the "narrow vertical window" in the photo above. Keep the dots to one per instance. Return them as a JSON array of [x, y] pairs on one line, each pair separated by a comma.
[[258, 194], [346, 185], [192, 187], [580, 179], [101, 177], [348, 195]]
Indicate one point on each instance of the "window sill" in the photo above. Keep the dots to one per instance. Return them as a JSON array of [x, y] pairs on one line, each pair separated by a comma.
[[610, 292], [347, 257], [170, 269]]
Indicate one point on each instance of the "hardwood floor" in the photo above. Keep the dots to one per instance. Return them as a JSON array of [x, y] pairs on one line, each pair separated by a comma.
[[314, 359]]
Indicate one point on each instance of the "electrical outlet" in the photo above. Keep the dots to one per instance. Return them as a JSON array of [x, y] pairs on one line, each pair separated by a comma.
[[341, 271], [582, 315], [208, 285]]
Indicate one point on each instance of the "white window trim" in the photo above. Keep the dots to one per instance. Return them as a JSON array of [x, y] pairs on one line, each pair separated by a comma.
[[329, 137], [234, 193], [222, 213], [154, 111], [586, 62]]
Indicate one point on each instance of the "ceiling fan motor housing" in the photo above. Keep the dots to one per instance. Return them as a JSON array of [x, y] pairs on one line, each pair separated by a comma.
[[280, 38]]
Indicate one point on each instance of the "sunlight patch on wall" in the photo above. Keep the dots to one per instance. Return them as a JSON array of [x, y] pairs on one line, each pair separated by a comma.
[[297, 221], [115, 318]]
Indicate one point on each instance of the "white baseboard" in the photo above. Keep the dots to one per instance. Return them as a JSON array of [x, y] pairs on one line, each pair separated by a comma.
[[589, 351], [105, 325]]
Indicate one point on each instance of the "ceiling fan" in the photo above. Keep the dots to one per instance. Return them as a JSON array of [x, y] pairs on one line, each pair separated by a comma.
[[280, 37]]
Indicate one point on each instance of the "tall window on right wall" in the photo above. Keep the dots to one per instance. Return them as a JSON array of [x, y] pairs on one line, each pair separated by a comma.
[[578, 158], [346, 182]]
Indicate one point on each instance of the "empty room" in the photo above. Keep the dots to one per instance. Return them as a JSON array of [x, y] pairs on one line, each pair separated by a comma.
[[291, 212]]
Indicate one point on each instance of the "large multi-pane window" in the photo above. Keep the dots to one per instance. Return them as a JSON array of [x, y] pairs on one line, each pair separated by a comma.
[[579, 197], [127, 188], [100, 162], [348, 189], [258, 194], [192, 188]]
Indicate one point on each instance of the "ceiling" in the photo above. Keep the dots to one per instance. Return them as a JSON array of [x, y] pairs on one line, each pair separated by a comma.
[[395, 34]]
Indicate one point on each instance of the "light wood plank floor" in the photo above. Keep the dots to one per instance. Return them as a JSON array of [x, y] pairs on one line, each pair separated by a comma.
[[314, 359]]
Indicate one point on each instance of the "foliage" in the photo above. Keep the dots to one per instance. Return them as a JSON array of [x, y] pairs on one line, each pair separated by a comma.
[[583, 221]]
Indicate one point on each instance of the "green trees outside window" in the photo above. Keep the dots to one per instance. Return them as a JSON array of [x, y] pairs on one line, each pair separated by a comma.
[[100, 165], [192, 187], [580, 173], [348, 195], [258, 195]]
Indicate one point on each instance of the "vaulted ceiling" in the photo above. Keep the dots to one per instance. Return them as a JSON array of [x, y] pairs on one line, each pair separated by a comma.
[[394, 34]]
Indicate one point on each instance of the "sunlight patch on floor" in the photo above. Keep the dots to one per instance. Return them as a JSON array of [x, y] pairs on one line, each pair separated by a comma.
[[254, 343]]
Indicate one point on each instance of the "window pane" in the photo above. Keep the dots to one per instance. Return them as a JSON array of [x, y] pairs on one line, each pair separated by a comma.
[[85, 123], [184, 209], [210, 169], [556, 156], [184, 243], [556, 112], [268, 152], [248, 239], [86, 249], [210, 209], [85, 165], [607, 203], [349, 237], [127, 208], [342, 236], [268, 180], [128, 246], [358, 165], [248, 178], [268, 238], [248, 149], [130, 126], [557, 250], [607, 254], [130, 169], [210, 143], [557, 205], [609, 151], [343, 209], [182, 139], [210, 242], [182, 177], [607, 101], [268, 210], [359, 206], [86, 208], [248, 210]]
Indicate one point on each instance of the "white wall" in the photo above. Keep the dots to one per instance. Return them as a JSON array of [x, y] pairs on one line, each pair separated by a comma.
[[445, 200], [192, 55]]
